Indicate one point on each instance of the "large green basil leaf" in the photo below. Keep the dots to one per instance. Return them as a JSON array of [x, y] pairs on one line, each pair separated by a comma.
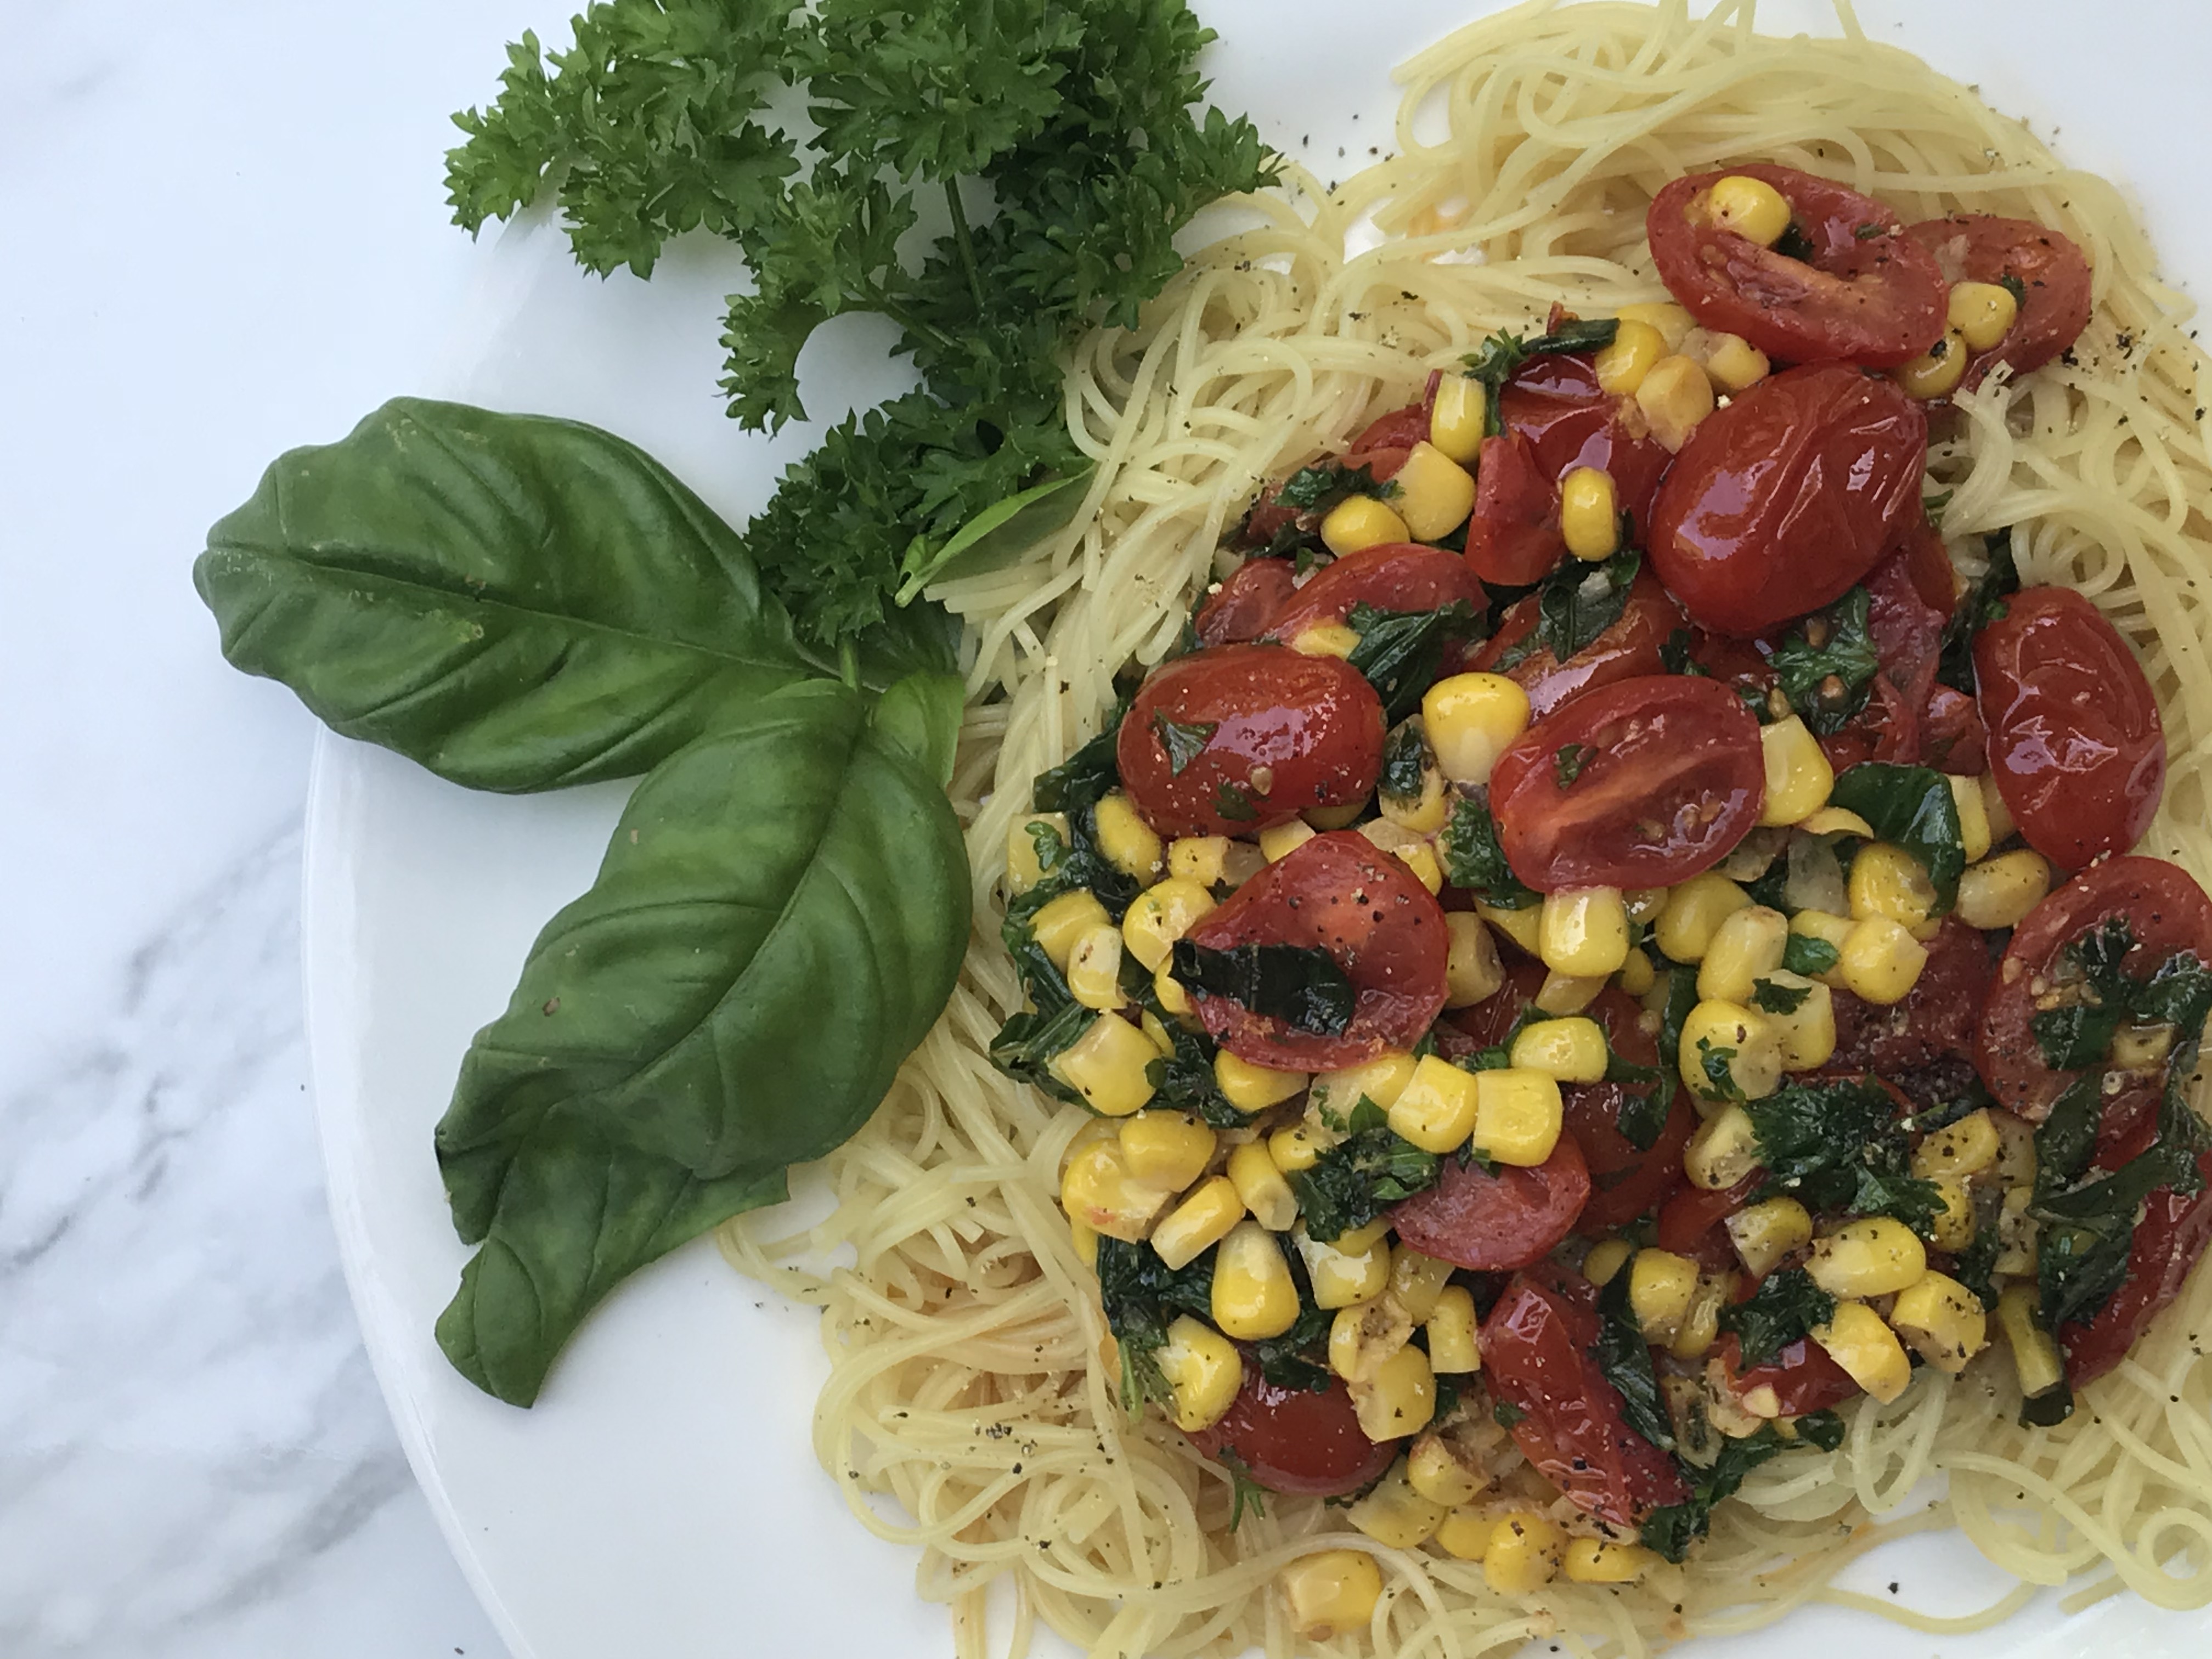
[[779, 917], [517, 603]]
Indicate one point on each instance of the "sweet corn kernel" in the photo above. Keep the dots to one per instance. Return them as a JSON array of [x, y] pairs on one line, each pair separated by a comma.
[[1416, 1281], [1637, 974], [1327, 640], [1675, 397], [1358, 521], [1942, 1320], [1673, 322], [1345, 1272], [1436, 1110], [1296, 1148], [1523, 1554], [1061, 921], [1982, 313], [1331, 1593], [1517, 1117], [1173, 998], [1094, 968], [1661, 1285], [1937, 371], [1605, 1260], [1597, 1561], [1252, 1088], [1163, 1039], [1701, 1321], [1953, 1227], [1868, 1350], [1434, 493], [1520, 926], [1167, 1150], [1466, 1533], [1097, 1190], [1423, 814], [2035, 1357], [1460, 417], [1567, 993], [1573, 1050], [1469, 720], [1398, 1399], [1127, 843], [1438, 1476], [1881, 962], [1589, 514], [1582, 931], [1107, 1065], [1876, 1257], [1326, 819], [1455, 1341], [1993, 803], [1285, 839], [1889, 882], [1798, 774], [1731, 362], [1253, 1296], [1394, 1515], [1763, 1233], [1157, 918], [1744, 949], [1724, 1150], [1202, 1220], [1728, 1036], [1694, 911], [1200, 859], [2016, 1157], [1084, 1237], [1965, 1147], [1750, 207], [1473, 972], [1259, 1184], [1829, 929], [1024, 862], [1420, 858], [1204, 1371], [1362, 1336], [1806, 1033], [1381, 1079], [1999, 892], [1974, 816], [1637, 346]]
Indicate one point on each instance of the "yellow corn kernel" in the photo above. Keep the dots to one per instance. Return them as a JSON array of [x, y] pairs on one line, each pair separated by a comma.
[[1416, 1281], [1523, 1554], [1203, 1370], [1675, 397], [1953, 1226], [1399, 1398], [1750, 207], [1423, 814], [1637, 974], [1259, 1184], [1589, 514], [1724, 1150], [1964, 1148], [1347, 1271], [1173, 998], [1744, 949], [1829, 930], [1326, 819], [1517, 1116], [1701, 1321], [1974, 816], [1097, 1190], [1694, 913], [1061, 921], [1362, 1336], [1982, 313], [1331, 1593], [1573, 1050], [1766, 1232], [1433, 1472], [2015, 1164], [1298, 1147], [1459, 418], [1436, 1109], [2002, 826], [1798, 774], [1867, 1349], [1163, 1039], [1876, 1257], [1881, 962], [1156, 919], [1999, 892], [1597, 1561], [1253, 1296], [1202, 1220], [1673, 322], [1605, 1260], [1567, 993], [2016, 1232], [1473, 972], [1455, 1341], [1381, 1079], [1731, 362], [1200, 859], [1469, 720], [1094, 968], [1129, 844], [1837, 821], [1252, 1088], [1937, 371], [1466, 1533], [1727, 1033], [1084, 1237], [1167, 1150], [1434, 493], [1025, 867], [1421, 859], [1394, 1515], [1637, 346], [2035, 1358], [1358, 521], [1806, 1033], [1326, 639], [1582, 931], [1106, 1065], [1661, 1285], [1279, 842], [1888, 881], [1520, 926], [1941, 1319]]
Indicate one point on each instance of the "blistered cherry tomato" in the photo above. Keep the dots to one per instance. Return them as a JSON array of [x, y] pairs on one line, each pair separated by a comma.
[[1888, 729], [1928, 562], [1340, 894], [2165, 909], [1867, 293], [1626, 1181], [1630, 647], [1783, 499], [1933, 1023], [1641, 783], [1294, 1441], [1690, 1222], [2052, 272], [1555, 402], [1394, 576], [2167, 1241], [1536, 1356], [1492, 1222], [1240, 610], [1803, 1378], [1513, 535], [1383, 445], [1951, 736], [1231, 740], [2075, 738]]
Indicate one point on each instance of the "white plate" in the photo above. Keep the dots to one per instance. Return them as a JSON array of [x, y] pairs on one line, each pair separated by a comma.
[[663, 1498]]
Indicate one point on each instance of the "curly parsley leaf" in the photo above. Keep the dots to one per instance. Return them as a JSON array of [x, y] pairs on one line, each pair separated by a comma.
[[1782, 1309]]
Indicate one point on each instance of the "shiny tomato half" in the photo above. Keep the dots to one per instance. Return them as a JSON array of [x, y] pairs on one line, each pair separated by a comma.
[[1690, 1222], [1232, 739], [1394, 576], [1626, 1181], [1384, 442], [1239, 610], [1513, 534], [2052, 272], [1783, 499], [1494, 1223], [2168, 1239], [1537, 1354], [1642, 783], [2075, 738], [1951, 736], [1627, 649], [1294, 1441], [1802, 1375], [1937, 1020], [2165, 909], [1570, 420], [1867, 294], [1337, 893]]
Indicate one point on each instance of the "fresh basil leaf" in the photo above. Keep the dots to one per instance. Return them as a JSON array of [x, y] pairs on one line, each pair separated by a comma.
[[1300, 985], [1828, 683], [1181, 741], [1324, 481], [1404, 761], [922, 714], [1086, 776], [2075, 1036], [1673, 1529], [1625, 1357], [1977, 607], [1804, 954], [1578, 602], [1473, 858], [1782, 1309], [1912, 806], [994, 537], [1399, 651]]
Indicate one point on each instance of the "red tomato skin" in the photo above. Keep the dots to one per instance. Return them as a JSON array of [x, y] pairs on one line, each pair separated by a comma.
[[1951, 736], [2166, 909], [1670, 750], [1690, 1222], [1494, 1223], [1928, 561], [1937, 1020], [1628, 649], [1802, 1375], [2075, 738], [1535, 1354], [1293, 1441], [2052, 271], [1241, 609], [1555, 402], [1401, 429], [1878, 299], [1340, 894], [1513, 535], [2168, 1240], [1394, 576], [1314, 722], [1626, 1181], [1778, 503]]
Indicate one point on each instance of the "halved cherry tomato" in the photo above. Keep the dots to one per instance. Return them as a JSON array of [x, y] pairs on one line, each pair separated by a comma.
[[1239, 610], [2163, 907], [1869, 294], [1537, 1354], [1928, 561], [1783, 499], [1628, 648], [2168, 1239], [1492, 1222], [1951, 736], [1803, 1378], [1690, 1222], [1340, 894], [2076, 742], [1555, 402], [1626, 1181], [1513, 537], [1395, 576], [2052, 272], [1907, 631], [1641, 783], [1383, 443], [1276, 733], [1294, 1441], [1933, 1023], [1888, 729]]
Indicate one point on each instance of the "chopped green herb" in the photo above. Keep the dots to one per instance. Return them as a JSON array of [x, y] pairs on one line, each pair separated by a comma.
[[1327, 481], [1977, 607], [1473, 859], [1804, 954], [1782, 1309], [1141, 1295], [1405, 760], [1772, 996], [1500, 356], [1625, 1357], [1233, 801], [1181, 741], [1913, 807], [1399, 651], [1838, 1144], [1568, 762], [1300, 985], [1243, 1491], [1358, 1179], [1716, 1063], [2012, 285], [1506, 1415], [1828, 684], [1795, 244], [1673, 1529]]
